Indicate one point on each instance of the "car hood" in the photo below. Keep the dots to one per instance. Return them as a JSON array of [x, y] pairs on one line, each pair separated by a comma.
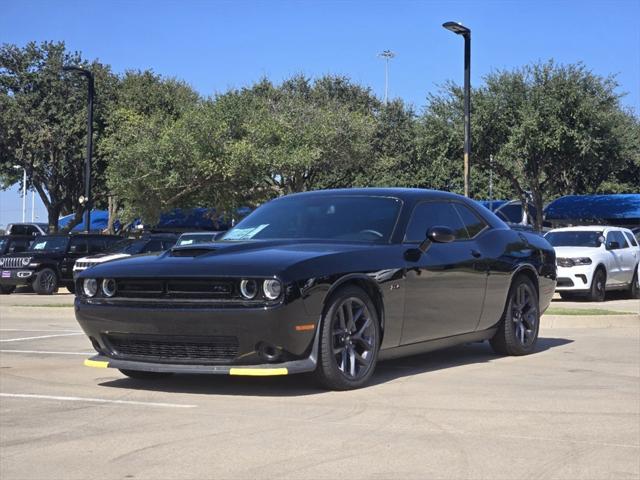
[[103, 257], [286, 259], [573, 252]]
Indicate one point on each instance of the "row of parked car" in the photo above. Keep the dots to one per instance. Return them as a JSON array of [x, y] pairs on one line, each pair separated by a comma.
[[47, 262]]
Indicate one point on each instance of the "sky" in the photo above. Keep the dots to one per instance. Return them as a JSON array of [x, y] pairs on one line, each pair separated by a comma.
[[217, 45]]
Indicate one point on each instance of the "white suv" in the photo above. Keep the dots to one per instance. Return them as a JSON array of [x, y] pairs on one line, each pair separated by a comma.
[[593, 260]]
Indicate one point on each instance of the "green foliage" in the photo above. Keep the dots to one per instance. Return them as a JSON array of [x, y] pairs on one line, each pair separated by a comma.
[[43, 123]]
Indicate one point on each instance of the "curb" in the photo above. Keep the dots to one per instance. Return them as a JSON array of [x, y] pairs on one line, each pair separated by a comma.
[[590, 321]]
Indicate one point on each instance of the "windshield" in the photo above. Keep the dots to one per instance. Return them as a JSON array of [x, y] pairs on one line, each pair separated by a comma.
[[191, 239], [49, 244], [584, 238], [3, 243], [129, 246], [321, 217]]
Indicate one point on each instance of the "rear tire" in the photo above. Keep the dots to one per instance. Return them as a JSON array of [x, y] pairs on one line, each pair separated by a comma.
[[7, 289], [71, 288], [46, 282], [349, 340], [598, 286], [634, 289], [142, 375], [567, 296], [518, 329]]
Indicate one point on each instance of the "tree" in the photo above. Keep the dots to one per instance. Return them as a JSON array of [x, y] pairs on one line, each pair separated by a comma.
[[551, 129], [43, 124]]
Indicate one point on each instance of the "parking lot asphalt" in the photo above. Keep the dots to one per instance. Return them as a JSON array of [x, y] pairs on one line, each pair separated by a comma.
[[571, 410]]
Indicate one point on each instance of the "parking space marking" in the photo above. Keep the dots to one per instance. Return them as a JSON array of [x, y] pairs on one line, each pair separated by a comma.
[[41, 336], [40, 330], [41, 352], [95, 400]]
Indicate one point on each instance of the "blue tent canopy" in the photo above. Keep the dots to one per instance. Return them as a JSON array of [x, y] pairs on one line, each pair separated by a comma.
[[618, 208], [99, 221]]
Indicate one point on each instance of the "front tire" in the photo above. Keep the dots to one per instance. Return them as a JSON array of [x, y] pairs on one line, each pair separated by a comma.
[[71, 288], [7, 289], [598, 286], [142, 375], [518, 329], [349, 340], [634, 289], [46, 282]]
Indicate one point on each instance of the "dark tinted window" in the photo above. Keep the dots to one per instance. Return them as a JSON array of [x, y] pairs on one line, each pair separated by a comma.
[[432, 214], [78, 245], [97, 245], [631, 239], [154, 245], [472, 222], [575, 238], [321, 217], [616, 236]]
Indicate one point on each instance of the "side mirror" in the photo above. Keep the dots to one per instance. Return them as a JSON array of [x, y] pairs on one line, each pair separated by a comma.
[[440, 235], [218, 235], [600, 240], [437, 234], [613, 245]]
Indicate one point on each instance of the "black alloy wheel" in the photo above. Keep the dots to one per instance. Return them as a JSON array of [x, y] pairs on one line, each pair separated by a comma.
[[634, 288], [598, 286], [349, 343], [518, 329], [46, 282]]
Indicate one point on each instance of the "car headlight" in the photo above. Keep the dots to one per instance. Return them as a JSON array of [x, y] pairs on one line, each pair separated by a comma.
[[26, 261], [249, 289], [272, 289], [582, 261], [109, 287], [90, 287]]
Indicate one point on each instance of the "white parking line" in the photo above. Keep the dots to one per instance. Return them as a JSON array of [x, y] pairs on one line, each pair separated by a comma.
[[41, 352], [41, 330], [94, 400], [41, 336]]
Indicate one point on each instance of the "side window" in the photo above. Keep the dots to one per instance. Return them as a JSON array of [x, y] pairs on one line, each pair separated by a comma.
[[617, 237], [97, 245], [78, 245], [631, 238], [473, 223], [430, 214], [152, 246]]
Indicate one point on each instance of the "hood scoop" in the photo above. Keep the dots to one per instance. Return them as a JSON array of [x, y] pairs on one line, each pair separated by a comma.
[[191, 251]]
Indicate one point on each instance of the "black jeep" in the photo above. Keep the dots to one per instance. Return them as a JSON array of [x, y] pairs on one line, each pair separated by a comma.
[[48, 262]]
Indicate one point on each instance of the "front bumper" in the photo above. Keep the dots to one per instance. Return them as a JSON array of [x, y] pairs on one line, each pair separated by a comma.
[[16, 276], [575, 279], [164, 338], [263, 370]]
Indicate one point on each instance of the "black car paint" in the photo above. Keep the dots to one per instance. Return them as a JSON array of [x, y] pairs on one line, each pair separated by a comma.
[[447, 295], [60, 262]]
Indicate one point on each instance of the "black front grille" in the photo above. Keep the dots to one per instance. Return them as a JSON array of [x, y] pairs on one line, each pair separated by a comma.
[[176, 349], [175, 288]]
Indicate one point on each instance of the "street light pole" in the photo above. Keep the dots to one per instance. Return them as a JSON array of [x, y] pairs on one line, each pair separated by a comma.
[[460, 29], [387, 55], [86, 200], [24, 192]]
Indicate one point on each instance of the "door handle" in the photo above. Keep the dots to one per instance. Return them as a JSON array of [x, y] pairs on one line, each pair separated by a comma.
[[475, 253]]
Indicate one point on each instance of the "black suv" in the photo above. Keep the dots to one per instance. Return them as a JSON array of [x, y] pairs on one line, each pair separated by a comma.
[[48, 262]]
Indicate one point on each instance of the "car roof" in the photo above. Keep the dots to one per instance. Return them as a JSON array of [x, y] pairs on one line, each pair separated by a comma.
[[401, 193], [587, 228]]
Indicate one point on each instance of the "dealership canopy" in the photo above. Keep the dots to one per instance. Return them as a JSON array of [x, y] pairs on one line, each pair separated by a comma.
[[618, 209]]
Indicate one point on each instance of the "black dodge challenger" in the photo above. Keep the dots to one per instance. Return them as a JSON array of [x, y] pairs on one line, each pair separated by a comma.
[[328, 282]]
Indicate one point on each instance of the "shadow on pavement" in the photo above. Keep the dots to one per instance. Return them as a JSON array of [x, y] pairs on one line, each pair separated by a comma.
[[300, 385]]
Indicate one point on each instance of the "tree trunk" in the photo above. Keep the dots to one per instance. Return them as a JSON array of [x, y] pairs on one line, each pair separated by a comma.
[[112, 209], [53, 214]]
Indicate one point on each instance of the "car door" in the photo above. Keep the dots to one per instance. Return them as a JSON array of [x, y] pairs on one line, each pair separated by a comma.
[[445, 286], [629, 257], [78, 247], [615, 259]]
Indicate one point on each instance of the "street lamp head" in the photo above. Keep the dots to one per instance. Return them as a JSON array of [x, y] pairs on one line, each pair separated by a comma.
[[73, 68], [387, 54], [457, 27]]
